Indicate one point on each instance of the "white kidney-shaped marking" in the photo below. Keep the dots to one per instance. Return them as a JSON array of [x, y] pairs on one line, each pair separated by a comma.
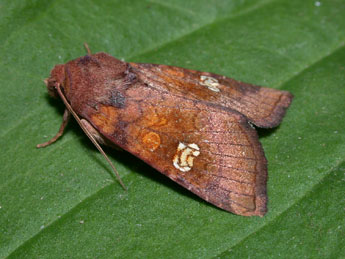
[[210, 82], [184, 157]]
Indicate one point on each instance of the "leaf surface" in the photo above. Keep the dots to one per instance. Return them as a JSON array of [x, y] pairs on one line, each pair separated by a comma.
[[62, 201]]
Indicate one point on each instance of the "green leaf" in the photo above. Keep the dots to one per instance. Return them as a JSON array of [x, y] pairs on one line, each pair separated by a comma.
[[62, 201]]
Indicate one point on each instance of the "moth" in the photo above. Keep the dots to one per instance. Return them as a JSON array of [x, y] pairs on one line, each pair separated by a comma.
[[194, 127]]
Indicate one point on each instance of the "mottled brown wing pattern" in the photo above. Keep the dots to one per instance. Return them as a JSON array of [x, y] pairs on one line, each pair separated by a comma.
[[211, 151], [192, 126], [264, 107]]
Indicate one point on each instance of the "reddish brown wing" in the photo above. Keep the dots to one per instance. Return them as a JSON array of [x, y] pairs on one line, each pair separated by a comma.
[[211, 151], [264, 107], [191, 126]]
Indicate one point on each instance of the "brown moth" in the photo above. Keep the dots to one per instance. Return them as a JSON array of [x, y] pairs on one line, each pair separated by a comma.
[[194, 127]]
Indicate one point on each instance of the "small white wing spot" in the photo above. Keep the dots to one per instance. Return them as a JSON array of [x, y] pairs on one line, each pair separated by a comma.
[[181, 146], [210, 82], [196, 153], [195, 146], [184, 157]]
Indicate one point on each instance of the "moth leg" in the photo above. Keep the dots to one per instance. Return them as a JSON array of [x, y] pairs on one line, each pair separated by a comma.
[[90, 136], [100, 139], [65, 120]]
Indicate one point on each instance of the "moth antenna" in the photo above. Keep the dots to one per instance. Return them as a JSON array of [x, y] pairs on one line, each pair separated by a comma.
[[87, 48], [93, 140], [65, 119]]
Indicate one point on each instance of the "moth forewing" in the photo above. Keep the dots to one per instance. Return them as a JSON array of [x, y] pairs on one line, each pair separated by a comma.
[[192, 126]]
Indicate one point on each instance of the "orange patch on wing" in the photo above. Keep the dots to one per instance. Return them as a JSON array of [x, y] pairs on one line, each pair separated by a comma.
[[155, 120], [105, 119], [151, 140]]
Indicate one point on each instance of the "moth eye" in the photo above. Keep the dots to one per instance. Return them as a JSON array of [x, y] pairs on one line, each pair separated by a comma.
[[210, 82], [51, 86], [185, 155]]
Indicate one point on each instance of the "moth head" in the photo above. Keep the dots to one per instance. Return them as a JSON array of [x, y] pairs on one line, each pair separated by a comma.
[[57, 76]]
